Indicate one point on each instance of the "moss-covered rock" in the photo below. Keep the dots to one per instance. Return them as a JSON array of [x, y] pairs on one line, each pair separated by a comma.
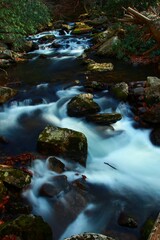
[[107, 47], [28, 227], [6, 93], [64, 142], [14, 177], [120, 90], [100, 67], [82, 105], [81, 28], [89, 236], [104, 118]]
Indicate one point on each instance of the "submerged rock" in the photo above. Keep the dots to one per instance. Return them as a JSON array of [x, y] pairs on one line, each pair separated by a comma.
[[28, 227], [127, 221], [89, 236], [6, 93], [104, 118], [63, 142], [82, 105], [56, 165]]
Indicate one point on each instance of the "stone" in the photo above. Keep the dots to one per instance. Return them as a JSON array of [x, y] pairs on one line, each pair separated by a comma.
[[152, 115], [5, 54], [105, 35], [104, 118], [155, 136], [152, 81], [152, 94], [14, 177], [100, 67], [6, 94], [28, 227], [82, 105], [55, 165], [89, 236], [64, 142], [107, 47], [98, 21], [120, 90], [81, 28]]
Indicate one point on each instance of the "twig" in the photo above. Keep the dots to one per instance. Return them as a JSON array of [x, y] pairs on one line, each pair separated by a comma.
[[110, 165]]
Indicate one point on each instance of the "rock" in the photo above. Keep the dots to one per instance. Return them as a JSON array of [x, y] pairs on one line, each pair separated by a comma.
[[155, 136], [152, 81], [104, 118], [81, 28], [59, 184], [94, 86], [28, 46], [152, 94], [55, 165], [147, 228], [28, 227], [105, 35], [46, 38], [98, 21], [107, 47], [5, 62], [100, 67], [14, 177], [5, 54], [82, 105], [91, 236], [120, 90], [127, 221], [6, 93], [63, 142]]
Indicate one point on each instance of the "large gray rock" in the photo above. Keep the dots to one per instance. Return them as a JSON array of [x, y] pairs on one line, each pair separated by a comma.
[[64, 142], [28, 227], [152, 94], [120, 90], [152, 81], [82, 105], [6, 93], [107, 47]]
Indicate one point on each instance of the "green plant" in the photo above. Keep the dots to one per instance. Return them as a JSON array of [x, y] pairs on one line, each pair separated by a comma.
[[18, 18]]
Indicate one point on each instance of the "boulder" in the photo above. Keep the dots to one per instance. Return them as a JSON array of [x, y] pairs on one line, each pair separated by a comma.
[[6, 93], [107, 47], [5, 54], [81, 28], [64, 142], [98, 20], [105, 35], [120, 90], [104, 118], [28, 227], [100, 67], [152, 115], [82, 105], [14, 177], [92, 236], [152, 81], [152, 94]]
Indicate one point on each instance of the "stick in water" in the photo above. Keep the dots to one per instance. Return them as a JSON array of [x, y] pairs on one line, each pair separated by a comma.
[[110, 165]]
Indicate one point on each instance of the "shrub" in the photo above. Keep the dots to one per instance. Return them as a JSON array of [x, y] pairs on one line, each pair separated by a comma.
[[18, 18]]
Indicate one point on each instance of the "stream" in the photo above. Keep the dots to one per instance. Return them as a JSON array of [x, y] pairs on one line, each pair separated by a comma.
[[130, 180]]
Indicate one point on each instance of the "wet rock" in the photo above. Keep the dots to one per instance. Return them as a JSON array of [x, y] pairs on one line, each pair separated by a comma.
[[120, 90], [63, 142], [56, 165], [152, 81], [98, 21], [94, 86], [81, 28], [105, 35], [28, 227], [46, 38], [28, 46], [147, 228], [59, 184], [82, 105], [107, 47], [5, 54], [6, 93], [91, 236], [155, 136], [104, 118], [100, 67], [14, 177], [152, 94], [127, 221]]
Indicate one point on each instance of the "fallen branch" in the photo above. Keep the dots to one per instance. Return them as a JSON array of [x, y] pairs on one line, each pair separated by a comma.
[[110, 165]]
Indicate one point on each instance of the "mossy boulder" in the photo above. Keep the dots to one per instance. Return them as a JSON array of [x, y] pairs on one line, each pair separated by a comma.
[[100, 67], [120, 91], [64, 142], [28, 227], [6, 93], [81, 28], [107, 47], [152, 94], [82, 105], [104, 118], [14, 177]]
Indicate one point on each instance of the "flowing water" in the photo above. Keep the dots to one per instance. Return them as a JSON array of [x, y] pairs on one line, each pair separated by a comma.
[[123, 167]]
